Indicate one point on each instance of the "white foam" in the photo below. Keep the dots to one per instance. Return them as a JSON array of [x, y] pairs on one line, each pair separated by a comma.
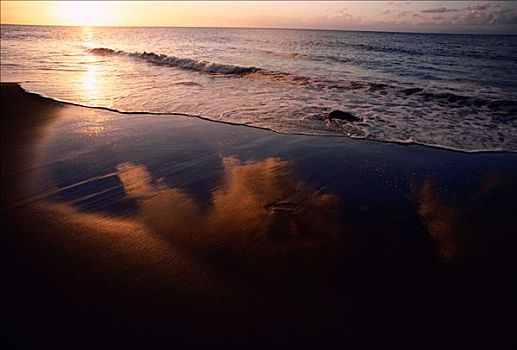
[[173, 61]]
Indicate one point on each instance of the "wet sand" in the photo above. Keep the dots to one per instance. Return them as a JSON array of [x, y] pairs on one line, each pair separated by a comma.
[[198, 233]]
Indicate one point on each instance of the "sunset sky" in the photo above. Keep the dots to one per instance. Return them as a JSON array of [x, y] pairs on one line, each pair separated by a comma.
[[418, 16]]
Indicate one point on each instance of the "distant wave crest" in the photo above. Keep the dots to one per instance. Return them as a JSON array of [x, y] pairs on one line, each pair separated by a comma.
[[173, 61], [284, 54]]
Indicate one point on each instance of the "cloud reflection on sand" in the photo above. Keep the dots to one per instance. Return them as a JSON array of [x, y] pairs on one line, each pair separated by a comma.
[[463, 224], [258, 214], [261, 218], [440, 220]]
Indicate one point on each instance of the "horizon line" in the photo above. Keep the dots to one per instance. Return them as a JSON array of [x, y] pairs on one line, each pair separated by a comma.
[[266, 28]]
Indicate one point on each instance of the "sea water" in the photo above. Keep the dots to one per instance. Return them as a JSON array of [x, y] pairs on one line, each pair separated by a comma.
[[451, 91]]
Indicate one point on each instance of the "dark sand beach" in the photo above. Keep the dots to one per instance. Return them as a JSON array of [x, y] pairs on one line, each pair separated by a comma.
[[163, 231]]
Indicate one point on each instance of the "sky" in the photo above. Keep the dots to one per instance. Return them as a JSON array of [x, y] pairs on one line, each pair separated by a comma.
[[412, 16]]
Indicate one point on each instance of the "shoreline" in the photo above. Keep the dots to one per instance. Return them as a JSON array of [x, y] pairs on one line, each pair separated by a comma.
[[409, 143], [182, 231]]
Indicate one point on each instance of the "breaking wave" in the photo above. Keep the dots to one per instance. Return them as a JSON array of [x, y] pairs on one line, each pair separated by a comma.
[[173, 61], [453, 100]]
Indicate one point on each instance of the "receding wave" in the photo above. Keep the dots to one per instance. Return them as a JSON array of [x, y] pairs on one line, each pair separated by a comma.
[[454, 100], [173, 61], [318, 126]]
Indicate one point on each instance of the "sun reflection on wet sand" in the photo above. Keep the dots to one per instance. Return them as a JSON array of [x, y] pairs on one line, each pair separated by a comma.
[[90, 81]]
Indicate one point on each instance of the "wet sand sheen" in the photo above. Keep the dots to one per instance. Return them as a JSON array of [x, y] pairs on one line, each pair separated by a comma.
[[178, 231]]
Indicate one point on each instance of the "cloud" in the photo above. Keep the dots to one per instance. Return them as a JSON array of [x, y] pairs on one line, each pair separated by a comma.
[[397, 3], [481, 14], [404, 13], [482, 17], [482, 6], [440, 10], [477, 15], [343, 13], [498, 9], [438, 17], [478, 7]]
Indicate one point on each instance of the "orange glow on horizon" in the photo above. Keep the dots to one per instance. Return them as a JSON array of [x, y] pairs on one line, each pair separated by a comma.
[[466, 16]]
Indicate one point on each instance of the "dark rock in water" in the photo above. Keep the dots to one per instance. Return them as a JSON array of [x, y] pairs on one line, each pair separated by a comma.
[[411, 91], [376, 87], [456, 98], [337, 114]]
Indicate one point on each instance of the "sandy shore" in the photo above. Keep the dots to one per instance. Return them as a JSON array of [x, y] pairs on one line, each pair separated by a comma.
[[131, 230]]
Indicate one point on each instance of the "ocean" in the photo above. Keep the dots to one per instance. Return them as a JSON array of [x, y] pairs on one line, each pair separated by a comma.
[[450, 91]]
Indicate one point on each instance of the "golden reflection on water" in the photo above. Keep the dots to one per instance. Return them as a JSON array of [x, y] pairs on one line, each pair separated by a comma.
[[90, 81], [87, 34], [95, 80]]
